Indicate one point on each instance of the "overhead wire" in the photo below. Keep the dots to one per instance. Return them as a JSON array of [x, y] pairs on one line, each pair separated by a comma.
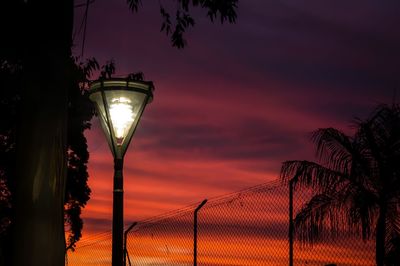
[[84, 4], [83, 24]]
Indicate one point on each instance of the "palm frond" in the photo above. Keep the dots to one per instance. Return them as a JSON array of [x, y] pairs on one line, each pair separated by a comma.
[[310, 222], [392, 238], [333, 148], [361, 205], [385, 123], [134, 5], [311, 174], [380, 138], [350, 210]]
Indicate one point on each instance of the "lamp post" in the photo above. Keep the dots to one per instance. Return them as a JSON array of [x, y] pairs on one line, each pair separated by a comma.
[[120, 104]]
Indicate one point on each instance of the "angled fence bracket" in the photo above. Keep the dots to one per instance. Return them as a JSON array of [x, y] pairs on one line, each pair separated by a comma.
[[195, 232], [126, 255]]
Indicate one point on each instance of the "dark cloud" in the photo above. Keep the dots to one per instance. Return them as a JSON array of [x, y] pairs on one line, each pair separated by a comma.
[[247, 140]]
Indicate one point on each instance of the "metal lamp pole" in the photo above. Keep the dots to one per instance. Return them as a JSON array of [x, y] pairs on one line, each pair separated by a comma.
[[118, 214], [120, 104]]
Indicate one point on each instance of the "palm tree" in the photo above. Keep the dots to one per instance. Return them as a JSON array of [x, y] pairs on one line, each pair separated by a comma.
[[355, 185]]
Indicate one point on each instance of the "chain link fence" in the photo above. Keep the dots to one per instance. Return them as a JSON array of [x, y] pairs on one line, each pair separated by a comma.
[[250, 227], [95, 251]]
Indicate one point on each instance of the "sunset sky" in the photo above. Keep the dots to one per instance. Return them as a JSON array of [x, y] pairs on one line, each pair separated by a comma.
[[239, 99]]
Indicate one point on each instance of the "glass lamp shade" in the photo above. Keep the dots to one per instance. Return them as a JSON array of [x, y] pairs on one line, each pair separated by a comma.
[[120, 104]]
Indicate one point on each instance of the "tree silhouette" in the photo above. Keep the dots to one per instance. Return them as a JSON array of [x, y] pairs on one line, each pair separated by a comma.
[[356, 185], [37, 41], [224, 10], [80, 112]]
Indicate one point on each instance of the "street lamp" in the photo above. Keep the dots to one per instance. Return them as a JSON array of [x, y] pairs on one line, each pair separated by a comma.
[[120, 104]]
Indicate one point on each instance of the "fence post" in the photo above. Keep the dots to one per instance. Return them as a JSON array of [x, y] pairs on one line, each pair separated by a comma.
[[291, 226], [125, 239], [195, 232]]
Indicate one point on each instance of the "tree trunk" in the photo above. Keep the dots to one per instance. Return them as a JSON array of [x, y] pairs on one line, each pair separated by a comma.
[[41, 176], [380, 235], [41, 135]]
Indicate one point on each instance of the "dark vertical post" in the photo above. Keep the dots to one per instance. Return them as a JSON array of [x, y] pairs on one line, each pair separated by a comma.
[[195, 232], [118, 216], [125, 240], [291, 226], [41, 126]]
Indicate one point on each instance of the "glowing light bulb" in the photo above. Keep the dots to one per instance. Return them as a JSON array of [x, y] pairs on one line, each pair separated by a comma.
[[122, 117]]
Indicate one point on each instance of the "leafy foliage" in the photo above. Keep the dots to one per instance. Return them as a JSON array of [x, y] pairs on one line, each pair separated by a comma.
[[138, 76], [224, 10], [134, 5], [80, 112], [356, 184], [107, 70]]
